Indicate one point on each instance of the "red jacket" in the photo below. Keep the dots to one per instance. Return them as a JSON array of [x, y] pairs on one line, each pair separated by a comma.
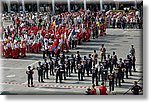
[[102, 90]]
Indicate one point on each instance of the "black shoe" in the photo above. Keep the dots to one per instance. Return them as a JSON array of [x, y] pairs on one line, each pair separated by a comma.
[[28, 85], [42, 81], [32, 85]]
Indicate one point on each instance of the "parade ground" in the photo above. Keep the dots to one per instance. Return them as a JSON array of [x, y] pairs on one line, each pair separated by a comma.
[[14, 78]]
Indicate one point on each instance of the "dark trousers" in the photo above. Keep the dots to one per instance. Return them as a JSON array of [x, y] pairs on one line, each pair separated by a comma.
[[133, 64], [73, 68], [96, 33], [51, 71], [68, 71], [80, 76], [46, 74], [40, 77], [64, 75], [69, 44], [58, 75], [76, 42], [110, 85], [130, 72], [44, 54], [87, 71], [94, 77], [30, 78], [111, 68], [118, 80], [47, 53], [72, 44], [127, 73]]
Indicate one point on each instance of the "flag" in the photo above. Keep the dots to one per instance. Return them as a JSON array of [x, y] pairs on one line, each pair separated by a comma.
[[35, 40], [54, 45], [67, 44], [54, 23], [17, 39], [57, 22], [61, 45], [71, 34]]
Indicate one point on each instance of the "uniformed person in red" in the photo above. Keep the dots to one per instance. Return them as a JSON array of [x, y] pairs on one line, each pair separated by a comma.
[[102, 89]]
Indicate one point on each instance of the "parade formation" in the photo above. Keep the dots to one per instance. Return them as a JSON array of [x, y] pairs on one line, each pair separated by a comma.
[[55, 36]]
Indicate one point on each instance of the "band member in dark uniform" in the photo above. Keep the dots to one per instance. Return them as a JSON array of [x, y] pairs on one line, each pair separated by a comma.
[[111, 81], [63, 71], [51, 67], [122, 69], [46, 68], [105, 64], [58, 73], [128, 66], [67, 67], [78, 59], [30, 73], [95, 75], [73, 64], [114, 59], [40, 72], [80, 73]]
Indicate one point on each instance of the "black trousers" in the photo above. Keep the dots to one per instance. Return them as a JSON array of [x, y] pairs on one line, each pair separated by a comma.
[[58, 75], [127, 73], [133, 64], [64, 75], [30, 78], [40, 77], [44, 54], [68, 71], [46, 74], [118, 80], [73, 68], [130, 71], [73, 44], [80, 76], [51, 71], [94, 77], [87, 71]]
